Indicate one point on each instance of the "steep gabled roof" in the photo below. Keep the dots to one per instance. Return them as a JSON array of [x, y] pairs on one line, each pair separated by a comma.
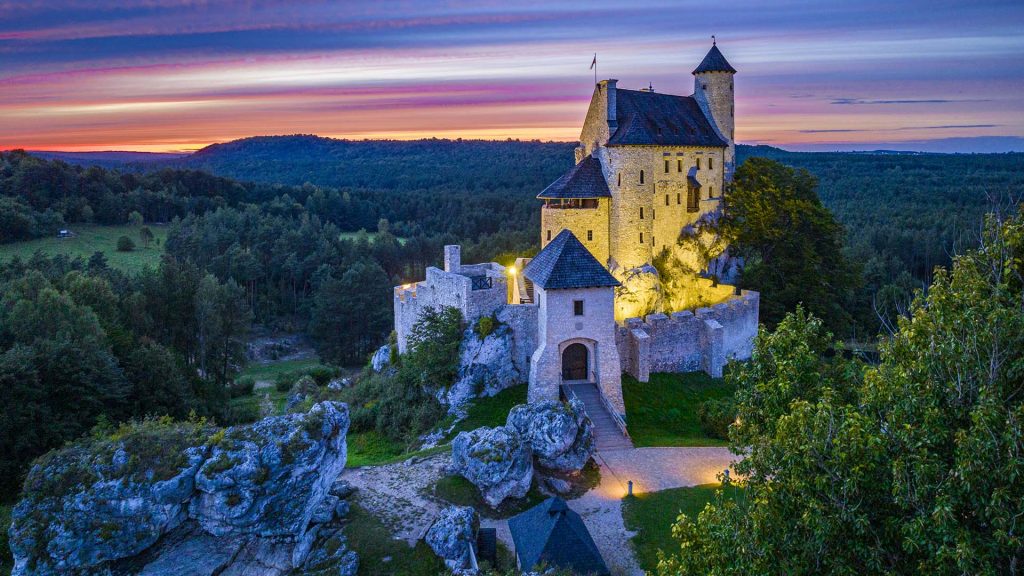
[[552, 534], [584, 180], [566, 263], [714, 62], [661, 119]]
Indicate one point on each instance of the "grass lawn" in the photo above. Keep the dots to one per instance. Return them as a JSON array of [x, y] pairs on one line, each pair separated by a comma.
[[664, 411], [652, 515], [492, 411], [457, 490], [95, 238], [271, 371], [380, 555]]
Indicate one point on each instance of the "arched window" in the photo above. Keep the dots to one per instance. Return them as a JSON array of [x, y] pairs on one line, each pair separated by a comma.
[[641, 176]]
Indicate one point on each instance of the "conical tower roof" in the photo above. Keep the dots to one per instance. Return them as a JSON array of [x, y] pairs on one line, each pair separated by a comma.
[[714, 62]]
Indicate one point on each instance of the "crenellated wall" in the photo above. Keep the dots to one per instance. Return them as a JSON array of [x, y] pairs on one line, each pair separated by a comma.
[[704, 339]]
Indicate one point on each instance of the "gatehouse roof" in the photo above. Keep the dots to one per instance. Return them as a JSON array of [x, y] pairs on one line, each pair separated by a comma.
[[566, 263], [651, 118], [553, 534], [584, 180]]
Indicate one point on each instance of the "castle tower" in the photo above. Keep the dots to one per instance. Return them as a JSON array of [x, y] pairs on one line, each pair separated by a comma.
[[713, 91]]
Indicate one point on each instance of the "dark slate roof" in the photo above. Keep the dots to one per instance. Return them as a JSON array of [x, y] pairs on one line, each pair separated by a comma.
[[714, 62], [566, 263], [661, 119], [553, 534], [584, 180]]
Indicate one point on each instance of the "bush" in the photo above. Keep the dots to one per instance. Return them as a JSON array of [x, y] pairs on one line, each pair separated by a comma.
[[716, 416], [395, 406], [485, 326], [241, 387], [283, 382], [243, 413], [323, 374], [125, 244], [434, 347]]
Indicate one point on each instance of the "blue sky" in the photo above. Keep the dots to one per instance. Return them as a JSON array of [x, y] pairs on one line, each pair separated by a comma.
[[180, 74]]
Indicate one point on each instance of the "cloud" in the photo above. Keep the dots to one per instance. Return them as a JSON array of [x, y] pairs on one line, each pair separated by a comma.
[[851, 101], [900, 129]]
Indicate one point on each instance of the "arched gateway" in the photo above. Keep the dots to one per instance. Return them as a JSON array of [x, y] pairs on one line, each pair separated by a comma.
[[575, 361]]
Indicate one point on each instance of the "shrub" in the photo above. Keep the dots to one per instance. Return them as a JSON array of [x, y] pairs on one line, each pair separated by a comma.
[[243, 413], [395, 406], [485, 326], [434, 346], [125, 244], [283, 382], [305, 386], [716, 416], [241, 387], [323, 374]]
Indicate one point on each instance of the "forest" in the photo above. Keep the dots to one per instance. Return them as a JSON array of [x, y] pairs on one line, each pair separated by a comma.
[[313, 234]]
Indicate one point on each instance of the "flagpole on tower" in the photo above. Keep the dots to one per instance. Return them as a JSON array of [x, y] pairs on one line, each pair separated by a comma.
[[593, 66]]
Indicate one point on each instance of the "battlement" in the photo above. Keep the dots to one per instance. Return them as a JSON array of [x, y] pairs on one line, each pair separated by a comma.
[[702, 339], [475, 289]]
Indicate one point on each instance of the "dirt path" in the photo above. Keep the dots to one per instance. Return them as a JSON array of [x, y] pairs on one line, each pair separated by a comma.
[[398, 494]]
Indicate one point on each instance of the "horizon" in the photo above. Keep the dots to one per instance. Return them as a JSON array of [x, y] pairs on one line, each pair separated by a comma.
[[169, 76]]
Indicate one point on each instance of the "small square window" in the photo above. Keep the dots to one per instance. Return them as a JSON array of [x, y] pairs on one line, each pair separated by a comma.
[[590, 235], [577, 307]]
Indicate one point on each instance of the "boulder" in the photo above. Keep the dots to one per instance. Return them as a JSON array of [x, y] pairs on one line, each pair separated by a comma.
[[486, 365], [498, 461], [381, 358], [161, 498], [268, 478], [453, 534], [305, 388], [560, 434]]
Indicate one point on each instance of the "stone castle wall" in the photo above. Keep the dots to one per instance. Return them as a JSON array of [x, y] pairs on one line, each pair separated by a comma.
[[589, 225], [448, 288], [704, 339]]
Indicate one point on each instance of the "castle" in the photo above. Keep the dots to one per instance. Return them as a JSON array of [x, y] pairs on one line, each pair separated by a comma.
[[591, 304]]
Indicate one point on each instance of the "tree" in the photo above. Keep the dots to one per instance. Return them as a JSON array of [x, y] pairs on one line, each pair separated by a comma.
[[790, 245], [913, 466], [352, 315], [125, 244], [135, 219], [222, 320], [146, 235], [434, 343]]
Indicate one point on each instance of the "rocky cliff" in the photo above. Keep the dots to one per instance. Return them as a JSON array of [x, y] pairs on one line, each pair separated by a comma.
[[163, 498]]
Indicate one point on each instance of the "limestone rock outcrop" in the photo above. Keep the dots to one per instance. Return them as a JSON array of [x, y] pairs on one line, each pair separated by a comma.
[[486, 366], [453, 534], [159, 498], [561, 435], [498, 461], [381, 358], [640, 292]]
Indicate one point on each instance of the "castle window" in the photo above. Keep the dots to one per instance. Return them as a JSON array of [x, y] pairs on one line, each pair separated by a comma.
[[679, 198], [666, 166], [711, 163], [549, 235], [703, 86], [666, 199], [641, 176], [711, 192], [698, 163], [590, 235], [654, 214], [641, 212], [679, 165], [641, 237], [620, 178], [577, 307], [693, 199]]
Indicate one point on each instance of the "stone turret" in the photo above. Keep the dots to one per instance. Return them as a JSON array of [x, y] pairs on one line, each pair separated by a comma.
[[713, 91]]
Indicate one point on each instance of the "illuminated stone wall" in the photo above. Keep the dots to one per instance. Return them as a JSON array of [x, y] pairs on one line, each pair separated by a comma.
[[589, 225], [702, 339]]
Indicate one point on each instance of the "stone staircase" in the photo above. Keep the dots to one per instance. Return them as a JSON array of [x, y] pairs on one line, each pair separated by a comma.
[[606, 433]]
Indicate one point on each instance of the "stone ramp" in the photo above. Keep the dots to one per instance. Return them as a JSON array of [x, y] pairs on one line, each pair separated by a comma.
[[606, 433]]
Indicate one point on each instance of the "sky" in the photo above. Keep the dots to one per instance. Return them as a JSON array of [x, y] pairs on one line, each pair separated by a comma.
[[177, 75]]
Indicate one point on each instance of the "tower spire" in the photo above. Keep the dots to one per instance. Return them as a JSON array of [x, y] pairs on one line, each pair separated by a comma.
[[713, 41]]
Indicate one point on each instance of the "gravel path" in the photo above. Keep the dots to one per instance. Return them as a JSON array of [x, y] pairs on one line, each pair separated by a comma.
[[398, 494]]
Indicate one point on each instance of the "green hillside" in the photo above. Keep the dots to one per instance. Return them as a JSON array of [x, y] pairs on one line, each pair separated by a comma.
[[91, 238]]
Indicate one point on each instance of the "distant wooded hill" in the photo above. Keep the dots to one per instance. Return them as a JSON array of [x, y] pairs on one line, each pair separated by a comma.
[[915, 208]]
